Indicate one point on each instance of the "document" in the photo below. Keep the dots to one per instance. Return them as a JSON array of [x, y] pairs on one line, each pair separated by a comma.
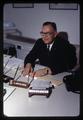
[[13, 62], [56, 80], [6, 59], [40, 84]]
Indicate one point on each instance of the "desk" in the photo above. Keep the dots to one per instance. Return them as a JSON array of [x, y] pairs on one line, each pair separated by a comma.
[[60, 103]]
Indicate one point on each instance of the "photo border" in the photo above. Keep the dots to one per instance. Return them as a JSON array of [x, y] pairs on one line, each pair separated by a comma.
[[58, 8], [23, 5]]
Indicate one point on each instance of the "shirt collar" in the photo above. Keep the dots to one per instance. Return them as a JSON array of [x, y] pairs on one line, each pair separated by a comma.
[[50, 45]]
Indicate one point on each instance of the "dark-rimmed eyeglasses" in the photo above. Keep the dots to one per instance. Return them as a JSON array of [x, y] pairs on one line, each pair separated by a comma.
[[46, 33]]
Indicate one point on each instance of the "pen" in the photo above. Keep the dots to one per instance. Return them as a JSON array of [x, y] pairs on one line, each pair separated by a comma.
[[16, 71], [28, 78], [18, 77], [32, 78]]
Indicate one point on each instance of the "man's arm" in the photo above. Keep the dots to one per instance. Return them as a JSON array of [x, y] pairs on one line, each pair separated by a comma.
[[29, 61], [33, 54]]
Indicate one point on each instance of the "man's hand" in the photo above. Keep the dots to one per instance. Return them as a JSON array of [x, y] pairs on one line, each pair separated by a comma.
[[41, 72], [28, 69]]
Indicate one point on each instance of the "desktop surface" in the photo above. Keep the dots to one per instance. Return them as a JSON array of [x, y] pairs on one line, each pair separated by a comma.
[[17, 103]]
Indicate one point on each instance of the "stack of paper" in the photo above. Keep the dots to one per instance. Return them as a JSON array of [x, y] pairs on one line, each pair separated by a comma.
[[54, 80], [14, 62]]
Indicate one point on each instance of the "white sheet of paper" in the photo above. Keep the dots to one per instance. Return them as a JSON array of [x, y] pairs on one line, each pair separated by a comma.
[[13, 62], [56, 80], [40, 84]]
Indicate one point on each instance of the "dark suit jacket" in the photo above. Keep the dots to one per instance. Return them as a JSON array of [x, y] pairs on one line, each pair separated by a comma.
[[62, 56]]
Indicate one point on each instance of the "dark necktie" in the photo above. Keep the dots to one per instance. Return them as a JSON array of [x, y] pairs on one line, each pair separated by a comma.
[[48, 47]]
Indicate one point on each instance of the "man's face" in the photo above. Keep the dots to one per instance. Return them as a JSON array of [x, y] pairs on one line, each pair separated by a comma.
[[47, 34]]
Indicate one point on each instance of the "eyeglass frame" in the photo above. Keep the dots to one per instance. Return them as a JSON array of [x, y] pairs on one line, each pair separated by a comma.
[[46, 34]]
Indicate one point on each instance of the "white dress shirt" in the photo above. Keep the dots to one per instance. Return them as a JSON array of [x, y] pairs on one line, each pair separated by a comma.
[[50, 46]]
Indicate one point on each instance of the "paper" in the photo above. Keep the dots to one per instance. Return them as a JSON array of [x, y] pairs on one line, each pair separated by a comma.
[[6, 59], [56, 80], [37, 67], [39, 84], [13, 62]]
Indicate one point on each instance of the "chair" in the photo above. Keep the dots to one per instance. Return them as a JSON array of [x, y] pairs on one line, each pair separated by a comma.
[[64, 35]]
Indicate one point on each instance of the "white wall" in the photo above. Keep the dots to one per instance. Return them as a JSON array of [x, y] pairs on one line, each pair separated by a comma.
[[29, 20]]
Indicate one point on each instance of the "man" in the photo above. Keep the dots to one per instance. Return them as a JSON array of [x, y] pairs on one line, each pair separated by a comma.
[[60, 57]]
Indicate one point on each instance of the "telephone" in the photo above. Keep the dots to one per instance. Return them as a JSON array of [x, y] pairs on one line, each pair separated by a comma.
[[72, 81]]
